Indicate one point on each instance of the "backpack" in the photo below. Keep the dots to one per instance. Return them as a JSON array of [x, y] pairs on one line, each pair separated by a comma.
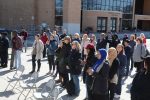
[[70, 87]]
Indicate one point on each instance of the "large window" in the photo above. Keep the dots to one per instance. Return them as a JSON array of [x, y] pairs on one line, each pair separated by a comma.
[[101, 24], [111, 5], [113, 24], [59, 12], [125, 6]]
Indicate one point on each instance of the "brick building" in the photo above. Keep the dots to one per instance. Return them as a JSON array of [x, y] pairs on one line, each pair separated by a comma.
[[76, 15]]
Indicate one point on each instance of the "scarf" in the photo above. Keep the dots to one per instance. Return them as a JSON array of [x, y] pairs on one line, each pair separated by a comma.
[[98, 65]]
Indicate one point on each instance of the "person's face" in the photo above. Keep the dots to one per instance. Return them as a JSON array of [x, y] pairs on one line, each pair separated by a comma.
[[51, 38], [66, 41], [119, 48], [75, 36], [85, 37], [98, 55], [138, 41], [36, 38], [54, 32], [73, 46], [131, 38]]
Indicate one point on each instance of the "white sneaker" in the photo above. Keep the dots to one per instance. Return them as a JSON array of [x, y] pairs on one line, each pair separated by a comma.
[[117, 96]]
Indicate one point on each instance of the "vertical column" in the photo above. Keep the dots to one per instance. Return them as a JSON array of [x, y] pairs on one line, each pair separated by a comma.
[[133, 14], [108, 24], [117, 24], [72, 15]]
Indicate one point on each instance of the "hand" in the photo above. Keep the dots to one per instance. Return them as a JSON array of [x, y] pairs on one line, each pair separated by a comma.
[[90, 71]]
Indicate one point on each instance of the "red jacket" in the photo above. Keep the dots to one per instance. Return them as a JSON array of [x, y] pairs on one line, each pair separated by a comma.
[[44, 39]]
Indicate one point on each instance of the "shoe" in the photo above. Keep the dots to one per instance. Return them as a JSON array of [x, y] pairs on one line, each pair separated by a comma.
[[117, 96], [31, 72], [49, 73], [58, 81]]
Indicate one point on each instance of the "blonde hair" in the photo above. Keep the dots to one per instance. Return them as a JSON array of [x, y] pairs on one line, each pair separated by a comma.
[[112, 54], [77, 45]]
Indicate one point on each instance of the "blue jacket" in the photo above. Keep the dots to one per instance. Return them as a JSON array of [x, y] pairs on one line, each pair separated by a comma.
[[51, 47]]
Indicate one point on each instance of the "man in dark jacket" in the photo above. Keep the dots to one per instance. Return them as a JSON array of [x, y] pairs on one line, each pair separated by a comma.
[[4, 45], [128, 54], [102, 42]]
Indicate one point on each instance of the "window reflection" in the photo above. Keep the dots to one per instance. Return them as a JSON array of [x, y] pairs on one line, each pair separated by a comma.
[[111, 5]]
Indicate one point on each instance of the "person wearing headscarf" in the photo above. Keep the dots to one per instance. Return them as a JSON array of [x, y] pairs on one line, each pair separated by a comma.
[[100, 73]]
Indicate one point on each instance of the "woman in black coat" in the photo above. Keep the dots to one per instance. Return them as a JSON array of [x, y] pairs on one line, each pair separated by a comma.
[[64, 55], [90, 61], [100, 73], [74, 65], [140, 89]]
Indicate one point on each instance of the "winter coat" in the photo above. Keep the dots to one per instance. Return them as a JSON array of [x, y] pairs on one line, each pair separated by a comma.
[[139, 52], [51, 47], [74, 62], [101, 44], [132, 43], [64, 55], [113, 72], [90, 61], [140, 89], [39, 46], [44, 39], [128, 52], [100, 81], [4, 44], [123, 62], [17, 43]]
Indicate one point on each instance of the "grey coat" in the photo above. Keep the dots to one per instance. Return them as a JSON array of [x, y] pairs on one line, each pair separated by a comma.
[[39, 49], [139, 51]]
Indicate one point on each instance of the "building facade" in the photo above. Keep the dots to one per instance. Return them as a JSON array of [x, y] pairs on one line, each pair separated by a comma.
[[76, 15]]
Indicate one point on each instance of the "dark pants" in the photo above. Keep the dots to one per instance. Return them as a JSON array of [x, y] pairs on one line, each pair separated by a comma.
[[139, 65], [57, 67], [4, 58], [65, 78], [89, 93], [44, 52], [34, 63], [100, 97], [119, 85], [12, 59], [127, 66], [51, 62], [132, 63], [112, 89]]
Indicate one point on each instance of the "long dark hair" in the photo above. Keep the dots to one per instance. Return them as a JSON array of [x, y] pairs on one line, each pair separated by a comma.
[[91, 53]]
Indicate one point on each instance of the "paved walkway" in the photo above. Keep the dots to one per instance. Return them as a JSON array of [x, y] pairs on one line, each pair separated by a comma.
[[26, 61]]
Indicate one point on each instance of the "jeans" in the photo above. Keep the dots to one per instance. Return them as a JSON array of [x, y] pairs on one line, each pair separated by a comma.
[[4, 57], [119, 85], [132, 63], [127, 66], [25, 45], [17, 58], [77, 83]]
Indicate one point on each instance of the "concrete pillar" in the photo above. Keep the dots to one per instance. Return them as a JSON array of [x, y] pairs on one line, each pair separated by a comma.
[[71, 16], [117, 25], [108, 24]]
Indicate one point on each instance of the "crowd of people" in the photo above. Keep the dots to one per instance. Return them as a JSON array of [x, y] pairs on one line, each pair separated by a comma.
[[102, 61]]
